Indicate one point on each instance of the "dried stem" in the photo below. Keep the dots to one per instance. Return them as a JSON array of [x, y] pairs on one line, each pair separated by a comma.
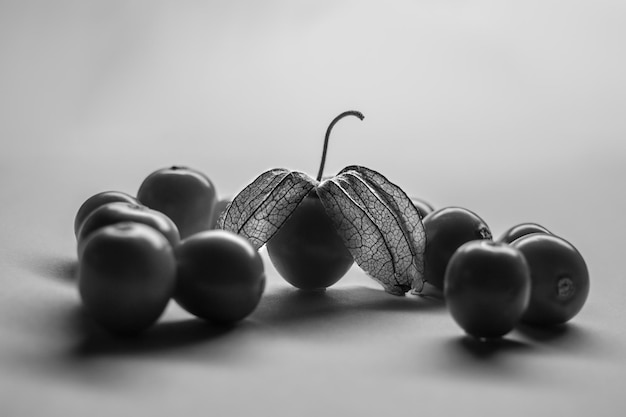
[[330, 127]]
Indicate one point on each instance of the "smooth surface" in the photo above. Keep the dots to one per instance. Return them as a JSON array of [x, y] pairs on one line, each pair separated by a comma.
[[514, 110]]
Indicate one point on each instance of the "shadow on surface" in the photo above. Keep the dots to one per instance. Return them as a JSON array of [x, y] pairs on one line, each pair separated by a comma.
[[162, 336], [286, 305], [568, 337], [60, 269], [547, 334], [295, 311], [481, 361], [490, 348]]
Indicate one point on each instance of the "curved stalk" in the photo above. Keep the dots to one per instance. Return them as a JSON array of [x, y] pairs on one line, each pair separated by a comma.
[[330, 127]]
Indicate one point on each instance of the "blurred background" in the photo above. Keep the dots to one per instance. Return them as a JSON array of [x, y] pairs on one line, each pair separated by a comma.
[[446, 86], [462, 98], [514, 110]]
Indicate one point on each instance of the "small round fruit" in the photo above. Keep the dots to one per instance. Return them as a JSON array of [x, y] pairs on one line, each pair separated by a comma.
[[487, 288], [559, 276], [98, 200], [446, 229], [220, 206], [112, 213], [522, 229], [307, 251], [126, 276], [185, 195], [220, 276], [423, 206]]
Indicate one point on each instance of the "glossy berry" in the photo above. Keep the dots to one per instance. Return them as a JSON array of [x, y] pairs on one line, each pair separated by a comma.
[[126, 276], [98, 200], [220, 276], [307, 251], [559, 276], [112, 213], [522, 229], [487, 288], [446, 230], [423, 206], [185, 195], [219, 208]]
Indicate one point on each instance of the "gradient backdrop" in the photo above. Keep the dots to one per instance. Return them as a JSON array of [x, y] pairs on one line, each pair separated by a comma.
[[514, 110]]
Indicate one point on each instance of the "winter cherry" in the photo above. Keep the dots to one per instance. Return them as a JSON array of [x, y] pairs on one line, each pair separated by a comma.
[[185, 195], [126, 276], [559, 279], [220, 206], [522, 229], [98, 200], [446, 229], [118, 212], [487, 288], [423, 206], [307, 251], [220, 276]]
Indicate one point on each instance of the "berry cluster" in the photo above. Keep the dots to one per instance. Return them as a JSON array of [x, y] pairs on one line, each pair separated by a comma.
[[137, 253], [132, 259], [527, 275]]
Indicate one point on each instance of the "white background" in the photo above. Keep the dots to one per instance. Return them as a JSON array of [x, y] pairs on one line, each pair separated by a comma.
[[514, 110]]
